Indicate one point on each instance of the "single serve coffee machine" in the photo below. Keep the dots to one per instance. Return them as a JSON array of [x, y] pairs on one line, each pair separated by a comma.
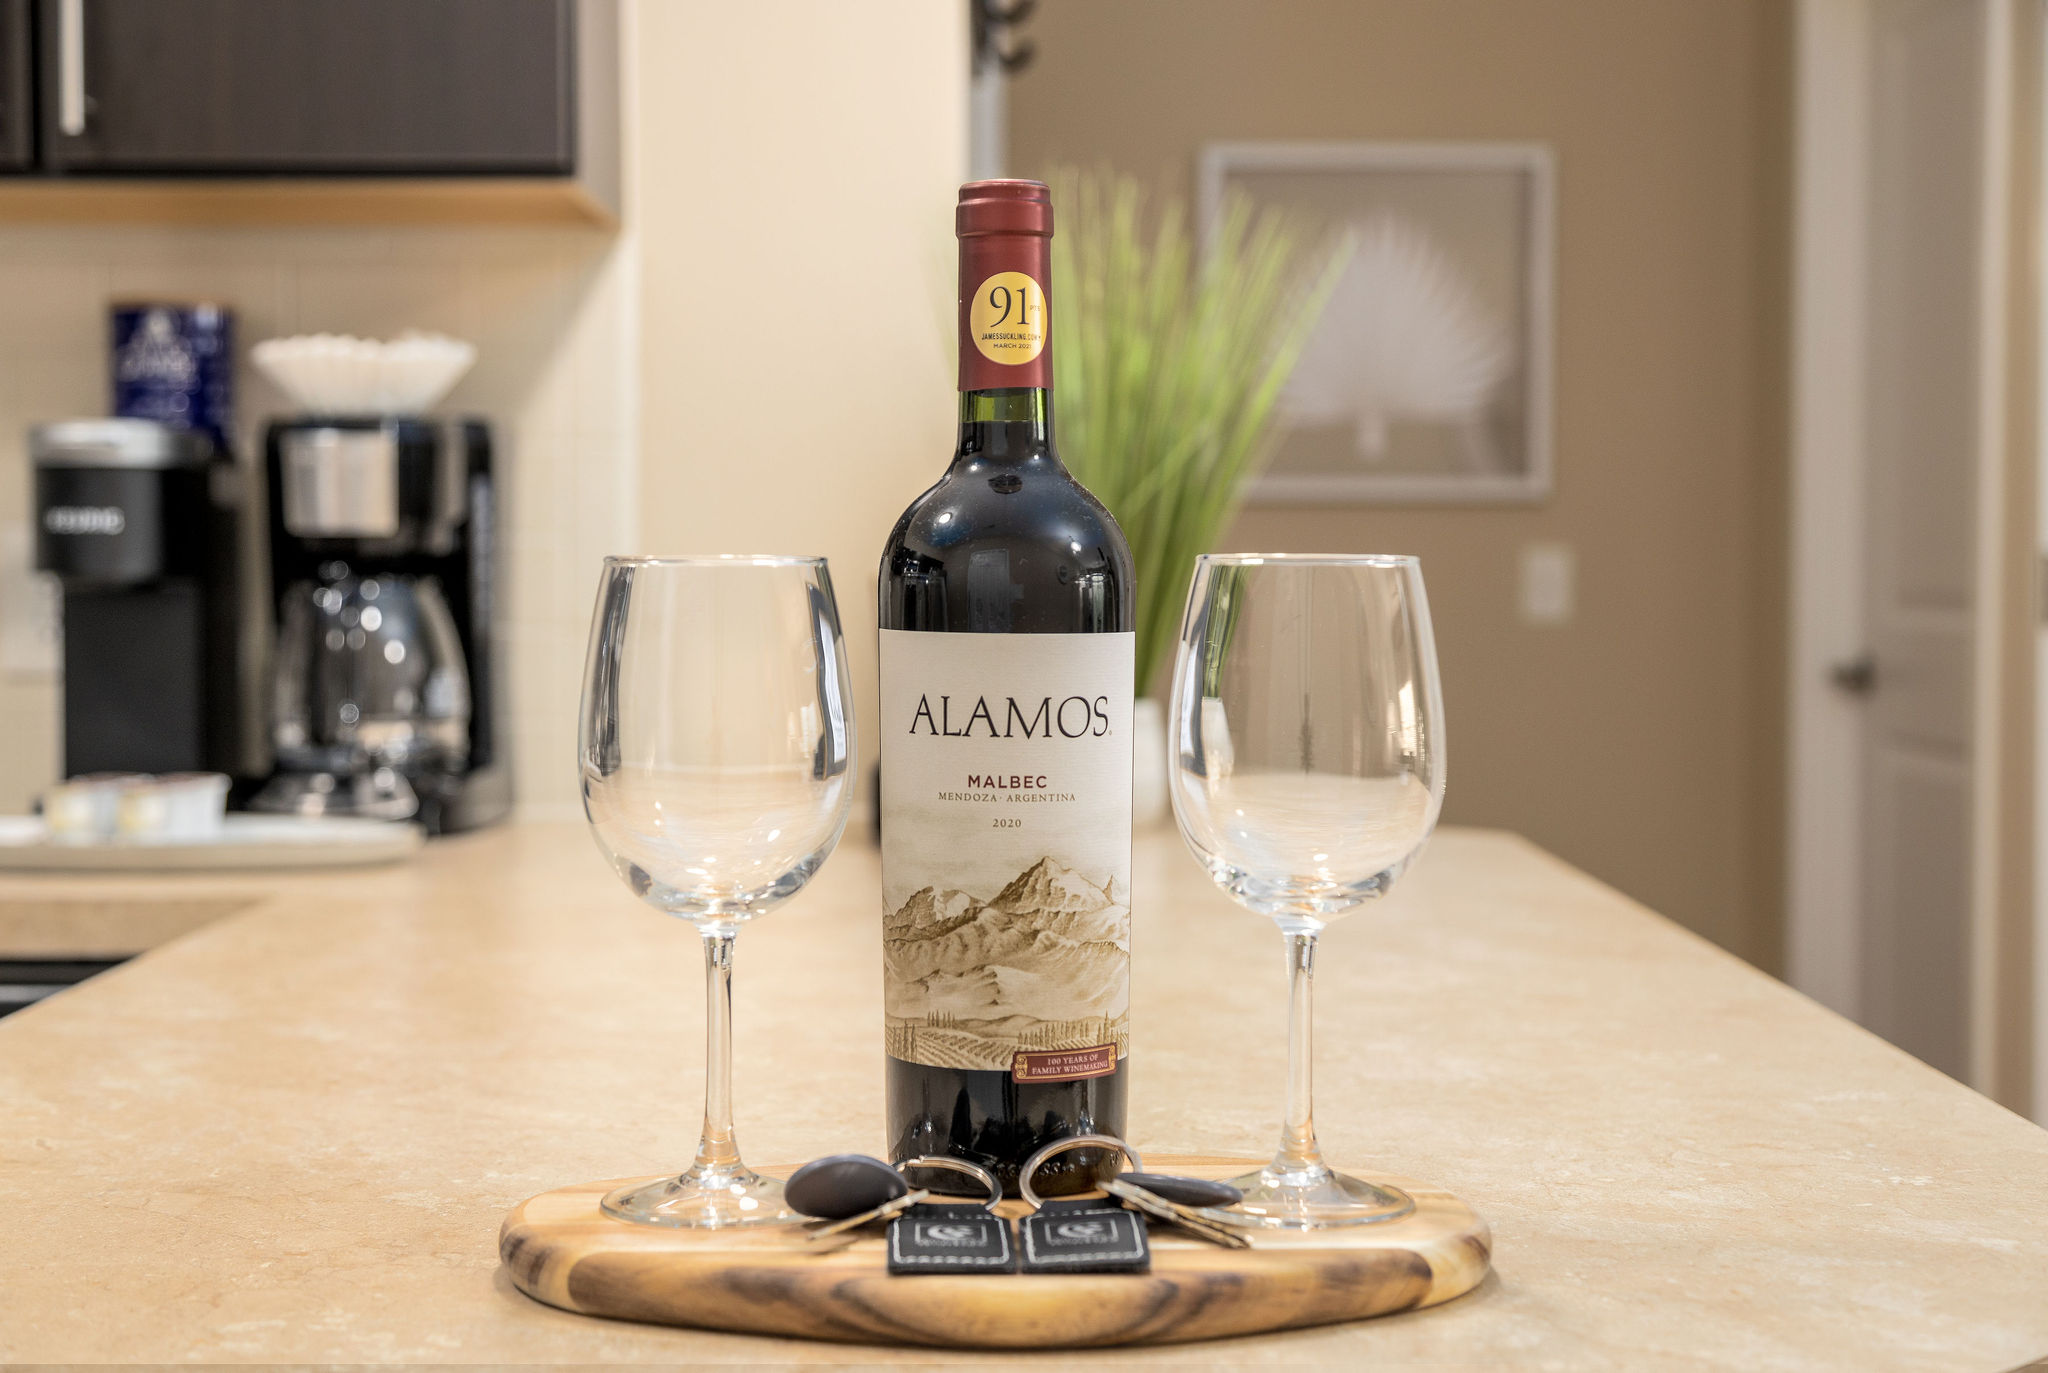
[[382, 539], [137, 521]]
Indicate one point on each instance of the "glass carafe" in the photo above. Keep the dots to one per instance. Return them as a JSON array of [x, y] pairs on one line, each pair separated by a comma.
[[371, 692]]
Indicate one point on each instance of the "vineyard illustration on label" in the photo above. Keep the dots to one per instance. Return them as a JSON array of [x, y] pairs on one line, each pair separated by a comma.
[[1043, 964]]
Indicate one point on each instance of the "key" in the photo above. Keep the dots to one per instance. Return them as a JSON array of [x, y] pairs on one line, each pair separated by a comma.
[[846, 1231], [847, 1191], [1186, 1191], [842, 1185], [1173, 1213]]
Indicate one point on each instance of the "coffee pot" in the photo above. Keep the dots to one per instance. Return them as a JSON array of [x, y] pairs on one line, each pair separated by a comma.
[[371, 687], [382, 552]]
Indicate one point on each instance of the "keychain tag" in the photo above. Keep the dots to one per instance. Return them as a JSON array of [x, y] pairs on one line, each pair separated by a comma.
[[950, 1239], [1085, 1237]]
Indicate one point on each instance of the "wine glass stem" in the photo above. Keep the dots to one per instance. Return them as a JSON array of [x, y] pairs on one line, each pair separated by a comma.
[[1298, 1151], [716, 1149]]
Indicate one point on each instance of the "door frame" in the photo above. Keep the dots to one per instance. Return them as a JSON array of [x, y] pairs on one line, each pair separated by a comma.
[[1828, 563]]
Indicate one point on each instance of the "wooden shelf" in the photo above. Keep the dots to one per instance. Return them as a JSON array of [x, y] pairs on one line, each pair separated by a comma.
[[297, 200]]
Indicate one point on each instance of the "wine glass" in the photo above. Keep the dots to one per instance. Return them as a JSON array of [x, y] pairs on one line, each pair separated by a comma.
[[715, 753], [1307, 773]]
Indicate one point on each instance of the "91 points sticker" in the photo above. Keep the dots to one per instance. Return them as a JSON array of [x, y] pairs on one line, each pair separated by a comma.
[[1006, 318]]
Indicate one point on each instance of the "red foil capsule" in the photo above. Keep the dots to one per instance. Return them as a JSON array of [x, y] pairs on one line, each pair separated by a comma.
[[1005, 232]]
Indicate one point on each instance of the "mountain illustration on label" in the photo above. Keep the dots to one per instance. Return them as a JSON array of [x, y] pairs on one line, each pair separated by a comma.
[[1043, 964]]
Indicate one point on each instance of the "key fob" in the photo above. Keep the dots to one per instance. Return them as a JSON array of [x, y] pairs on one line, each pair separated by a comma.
[[950, 1239], [1084, 1237], [842, 1185]]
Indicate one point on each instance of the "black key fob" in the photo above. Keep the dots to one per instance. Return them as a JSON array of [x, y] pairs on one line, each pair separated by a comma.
[[1084, 1237], [950, 1239], [842, 1185]]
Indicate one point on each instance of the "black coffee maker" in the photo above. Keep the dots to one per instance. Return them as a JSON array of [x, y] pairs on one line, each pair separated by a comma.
[[383, 700], [139, 523]]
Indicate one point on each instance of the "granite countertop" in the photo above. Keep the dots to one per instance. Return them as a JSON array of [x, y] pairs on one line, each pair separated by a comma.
[[288, 1134]]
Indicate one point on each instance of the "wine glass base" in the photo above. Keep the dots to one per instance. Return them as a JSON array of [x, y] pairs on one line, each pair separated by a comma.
[[1310, 1199], [719, 1199]]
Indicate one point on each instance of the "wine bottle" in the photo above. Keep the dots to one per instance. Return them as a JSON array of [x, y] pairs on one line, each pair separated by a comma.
[[1007, 661]]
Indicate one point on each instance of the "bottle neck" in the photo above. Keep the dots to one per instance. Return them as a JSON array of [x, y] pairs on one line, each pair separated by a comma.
[[1005, 312], [1003, 425]]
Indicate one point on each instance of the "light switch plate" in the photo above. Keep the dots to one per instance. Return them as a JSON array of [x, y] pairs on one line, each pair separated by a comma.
[[1549, 593], [31, 610]]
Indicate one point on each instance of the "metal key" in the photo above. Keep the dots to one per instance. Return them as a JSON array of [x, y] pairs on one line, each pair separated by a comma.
[[844, 1232], [1173, 1213]]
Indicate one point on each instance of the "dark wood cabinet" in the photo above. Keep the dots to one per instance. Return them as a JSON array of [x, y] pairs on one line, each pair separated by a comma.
[[306, 87], [17, 87]]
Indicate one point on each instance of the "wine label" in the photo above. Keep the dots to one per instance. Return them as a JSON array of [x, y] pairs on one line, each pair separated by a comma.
[[1063, 1065], [1006, 318], [1006, 851]]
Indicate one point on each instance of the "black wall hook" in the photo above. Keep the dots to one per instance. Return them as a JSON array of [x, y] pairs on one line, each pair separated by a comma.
[[996, 40]]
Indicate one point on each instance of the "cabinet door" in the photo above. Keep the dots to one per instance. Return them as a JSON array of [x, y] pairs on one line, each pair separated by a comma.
[[306, 86], [17, 106]]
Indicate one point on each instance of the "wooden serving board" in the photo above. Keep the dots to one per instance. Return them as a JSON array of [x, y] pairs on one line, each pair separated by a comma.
[[562, 1250]]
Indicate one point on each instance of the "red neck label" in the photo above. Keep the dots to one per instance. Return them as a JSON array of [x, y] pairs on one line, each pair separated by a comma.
[[1005, 311]]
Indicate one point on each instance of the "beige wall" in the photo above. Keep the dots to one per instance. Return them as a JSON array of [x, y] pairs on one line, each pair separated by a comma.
[[1642, 740], [795, 167]]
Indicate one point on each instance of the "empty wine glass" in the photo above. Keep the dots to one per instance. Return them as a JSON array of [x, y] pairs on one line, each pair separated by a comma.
[[717, 734], [1308, 770]]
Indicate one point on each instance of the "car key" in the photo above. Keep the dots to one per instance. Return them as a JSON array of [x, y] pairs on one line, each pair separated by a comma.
[[1186, 1191], [846, 1231], [848, 1191], [1174, 1213]]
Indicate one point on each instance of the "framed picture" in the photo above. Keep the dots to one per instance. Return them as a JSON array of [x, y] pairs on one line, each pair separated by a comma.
[[1427, 379]]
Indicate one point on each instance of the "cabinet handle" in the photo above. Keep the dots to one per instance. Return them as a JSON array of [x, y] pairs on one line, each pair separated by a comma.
[[71, 67]]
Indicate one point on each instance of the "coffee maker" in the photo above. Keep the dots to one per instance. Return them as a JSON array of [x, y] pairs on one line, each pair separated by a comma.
[[384, 700], [138, 521]]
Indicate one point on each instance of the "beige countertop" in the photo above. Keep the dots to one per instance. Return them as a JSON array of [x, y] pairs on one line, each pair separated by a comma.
[[288, 1134]]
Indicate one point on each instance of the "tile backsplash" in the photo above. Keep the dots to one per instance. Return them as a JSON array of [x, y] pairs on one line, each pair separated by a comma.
[[551, 313]]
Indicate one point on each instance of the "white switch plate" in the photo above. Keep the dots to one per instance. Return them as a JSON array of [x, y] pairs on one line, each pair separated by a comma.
[[1549, 595], [31, 633]]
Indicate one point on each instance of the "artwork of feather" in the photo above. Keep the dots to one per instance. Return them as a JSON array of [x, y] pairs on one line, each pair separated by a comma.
[[1405, 337]]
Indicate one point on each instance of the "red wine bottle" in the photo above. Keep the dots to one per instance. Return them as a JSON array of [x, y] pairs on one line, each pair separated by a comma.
[[1007, 661]]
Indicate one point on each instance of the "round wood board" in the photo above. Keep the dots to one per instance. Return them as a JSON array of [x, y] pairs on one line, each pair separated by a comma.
[[562, 1250]]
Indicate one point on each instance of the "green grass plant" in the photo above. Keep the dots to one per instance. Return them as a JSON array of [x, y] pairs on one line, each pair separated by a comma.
[[1167, 363]]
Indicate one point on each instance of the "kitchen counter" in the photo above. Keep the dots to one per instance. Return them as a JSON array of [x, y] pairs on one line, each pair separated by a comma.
[[288, 1134]]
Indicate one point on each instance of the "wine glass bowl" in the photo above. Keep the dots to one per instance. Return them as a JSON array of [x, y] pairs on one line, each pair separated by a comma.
[[715, 759], [741, 847], [1307, 774], [1265, 838]]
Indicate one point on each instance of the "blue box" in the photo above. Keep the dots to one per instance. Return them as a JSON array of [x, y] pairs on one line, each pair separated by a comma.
[[175, 363]]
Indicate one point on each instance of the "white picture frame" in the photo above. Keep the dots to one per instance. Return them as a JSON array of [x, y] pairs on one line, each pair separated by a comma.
[[1460, 238]]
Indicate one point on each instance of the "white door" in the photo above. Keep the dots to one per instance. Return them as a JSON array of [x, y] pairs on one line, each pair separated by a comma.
[[1897, 678], [1924, 432]]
